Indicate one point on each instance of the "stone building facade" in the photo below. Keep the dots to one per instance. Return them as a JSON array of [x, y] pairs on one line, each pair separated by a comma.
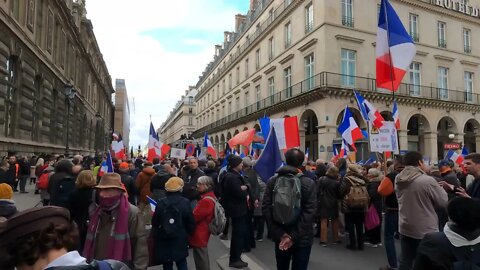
[[180, 123], [55, 89], [122, 112], [303, 58]]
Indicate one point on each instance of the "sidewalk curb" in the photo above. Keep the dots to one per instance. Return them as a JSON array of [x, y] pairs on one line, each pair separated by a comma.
[[253, 264]]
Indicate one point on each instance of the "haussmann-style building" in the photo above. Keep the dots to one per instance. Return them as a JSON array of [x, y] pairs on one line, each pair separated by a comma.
[[303, 58], [55, 89], [122, 112]]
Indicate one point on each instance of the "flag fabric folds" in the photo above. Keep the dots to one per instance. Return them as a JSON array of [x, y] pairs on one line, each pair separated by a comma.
[[244, 138], [154, 147], [209, 146], [349, 129], [106, 166], [118, 147], [288, 135], [396, 115], [454, 156], [270, 159], [395, 49], [464, 151], [152, 202], [368, 111]]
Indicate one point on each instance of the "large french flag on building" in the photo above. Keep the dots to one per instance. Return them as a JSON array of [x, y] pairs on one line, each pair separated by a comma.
[[395, 49], [286, 129], [209, 146], [349, 129], [154, 147]]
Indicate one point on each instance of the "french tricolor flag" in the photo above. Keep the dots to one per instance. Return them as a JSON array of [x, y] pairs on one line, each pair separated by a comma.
[[454, 156], [349, 129], [368, 111], [343, 149], [209, 146], [154, 146], [395, 49], [286, 130], [396, 115]]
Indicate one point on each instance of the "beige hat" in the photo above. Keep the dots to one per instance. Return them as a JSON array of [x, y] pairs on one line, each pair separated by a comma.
[[174, 184], [110, 180], [355, 168]]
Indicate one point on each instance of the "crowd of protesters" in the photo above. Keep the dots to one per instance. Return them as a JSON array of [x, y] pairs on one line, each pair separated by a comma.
[[432, 210]]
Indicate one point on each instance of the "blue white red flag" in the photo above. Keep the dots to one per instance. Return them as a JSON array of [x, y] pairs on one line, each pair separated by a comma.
[[396, 115], [349, 129], [368, 111], [454, 156], [270, 159], [153, 203], [395, 49], [209, 146]]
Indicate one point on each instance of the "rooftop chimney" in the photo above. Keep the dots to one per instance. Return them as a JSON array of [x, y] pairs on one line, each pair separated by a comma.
[[218, 49], [239, 19], [227, 36], [253, 3]]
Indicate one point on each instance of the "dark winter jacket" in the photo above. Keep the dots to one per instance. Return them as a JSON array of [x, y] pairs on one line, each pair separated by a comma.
[[435, 252], [173, 249], [329, 192], [212, 173], [24, 168], [302, 231], [321, 170], [11, 175], [391, 202], [190, 184], [251, 178], [53, 186], [474, 189], [78, 205], [3, 177], [129, 184], [235, 199], [375, 197], [157, 185], [7, 208]]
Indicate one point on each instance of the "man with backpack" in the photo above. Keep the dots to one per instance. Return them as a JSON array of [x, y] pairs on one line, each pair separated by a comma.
[[289, 206], [61, 184], [355, 205], [458, 246], [418, 196]]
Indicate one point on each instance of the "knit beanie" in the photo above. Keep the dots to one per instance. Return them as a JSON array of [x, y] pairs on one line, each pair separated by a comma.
[[174, 184], [234, 161], [6, 192]]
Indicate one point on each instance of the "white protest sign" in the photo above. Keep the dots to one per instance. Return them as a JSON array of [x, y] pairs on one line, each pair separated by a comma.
[[384, 138], [178, 153]]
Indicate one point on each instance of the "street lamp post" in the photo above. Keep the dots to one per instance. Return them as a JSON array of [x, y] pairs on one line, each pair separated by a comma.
[[70, 95]]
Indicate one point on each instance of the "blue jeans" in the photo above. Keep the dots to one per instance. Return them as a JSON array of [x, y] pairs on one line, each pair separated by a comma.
[[391, 226], [299, 256], [409, 248], [181, 265]]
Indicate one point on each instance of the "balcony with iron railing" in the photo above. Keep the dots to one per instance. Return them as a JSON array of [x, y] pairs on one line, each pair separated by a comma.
[[327, 81], [415, 36], [347, 21], [442, 43], [251, 17]]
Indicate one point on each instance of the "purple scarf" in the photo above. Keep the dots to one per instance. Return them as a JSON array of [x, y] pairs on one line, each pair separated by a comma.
[[118, 245]]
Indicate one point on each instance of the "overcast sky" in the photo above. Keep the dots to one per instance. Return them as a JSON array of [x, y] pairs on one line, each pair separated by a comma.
[[160, 48]]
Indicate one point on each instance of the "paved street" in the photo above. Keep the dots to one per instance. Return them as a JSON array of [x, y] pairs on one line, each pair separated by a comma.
[[332, 257]]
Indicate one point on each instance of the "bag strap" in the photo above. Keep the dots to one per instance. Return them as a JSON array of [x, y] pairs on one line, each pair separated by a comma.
[[211, 198], [103, 265]]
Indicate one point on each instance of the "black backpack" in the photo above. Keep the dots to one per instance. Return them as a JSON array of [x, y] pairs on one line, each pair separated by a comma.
[[171, 220], [63, 191], [466, 258]]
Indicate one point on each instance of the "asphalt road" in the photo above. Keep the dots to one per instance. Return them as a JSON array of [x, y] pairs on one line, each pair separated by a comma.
[[263, 257]]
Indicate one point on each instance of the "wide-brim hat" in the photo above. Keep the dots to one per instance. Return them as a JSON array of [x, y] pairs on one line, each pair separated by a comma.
[[30, 221], [174, 184], [110, 180]]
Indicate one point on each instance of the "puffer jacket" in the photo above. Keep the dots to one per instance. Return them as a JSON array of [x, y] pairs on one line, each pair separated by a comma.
[[143, 181], [301, 232], [203, 214], [136, 231], [418, 196]]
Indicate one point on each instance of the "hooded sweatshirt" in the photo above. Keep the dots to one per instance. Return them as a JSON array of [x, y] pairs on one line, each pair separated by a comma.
[[418, 196]]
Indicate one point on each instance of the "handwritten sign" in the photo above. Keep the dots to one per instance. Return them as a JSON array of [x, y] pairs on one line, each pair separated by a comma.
[[384, 138]]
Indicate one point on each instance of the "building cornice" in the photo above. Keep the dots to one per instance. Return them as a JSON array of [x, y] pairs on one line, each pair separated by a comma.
[[286, 59], [350, 39], [444, 58], [469, 63], [307, 45], [270, 69], [257, 78]]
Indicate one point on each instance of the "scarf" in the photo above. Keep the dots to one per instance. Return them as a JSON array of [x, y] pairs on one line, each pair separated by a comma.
[[118, 245]]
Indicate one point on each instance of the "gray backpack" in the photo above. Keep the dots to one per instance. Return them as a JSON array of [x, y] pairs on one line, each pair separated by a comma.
[[287, 196], [219, 220]]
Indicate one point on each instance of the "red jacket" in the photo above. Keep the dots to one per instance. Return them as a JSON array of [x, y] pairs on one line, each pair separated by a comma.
[[203, 214]]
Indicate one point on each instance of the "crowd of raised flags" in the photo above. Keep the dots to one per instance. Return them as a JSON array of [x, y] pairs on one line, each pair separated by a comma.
[[395, 51]]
